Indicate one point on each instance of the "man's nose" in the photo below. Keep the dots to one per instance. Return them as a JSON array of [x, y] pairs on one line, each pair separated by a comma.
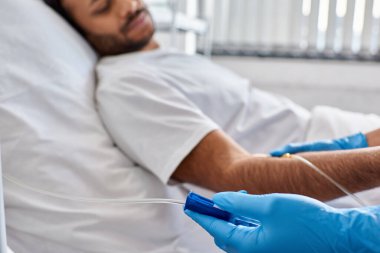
[[127, 8]]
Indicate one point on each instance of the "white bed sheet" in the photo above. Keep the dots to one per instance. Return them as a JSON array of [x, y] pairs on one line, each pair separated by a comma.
[[50, 130], [53, 140], [329, 122]]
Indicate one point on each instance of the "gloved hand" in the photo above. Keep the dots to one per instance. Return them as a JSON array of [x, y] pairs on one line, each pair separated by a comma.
[[358, 140], [291, 224]]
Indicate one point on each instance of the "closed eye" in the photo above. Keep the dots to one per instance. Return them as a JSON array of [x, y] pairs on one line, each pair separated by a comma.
[[106, 7]]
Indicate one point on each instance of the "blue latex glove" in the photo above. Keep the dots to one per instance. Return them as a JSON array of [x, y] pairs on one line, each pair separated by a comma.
[[292, 224], [358, 140]]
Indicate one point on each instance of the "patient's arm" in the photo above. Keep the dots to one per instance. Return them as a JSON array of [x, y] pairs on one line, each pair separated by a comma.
[[218, 163]]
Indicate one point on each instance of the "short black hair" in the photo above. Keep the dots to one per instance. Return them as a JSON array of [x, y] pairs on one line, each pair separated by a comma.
[[57, 6]]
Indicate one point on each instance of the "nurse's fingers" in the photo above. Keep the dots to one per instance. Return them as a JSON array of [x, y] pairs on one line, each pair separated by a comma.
[[219, 229], [227, 236]]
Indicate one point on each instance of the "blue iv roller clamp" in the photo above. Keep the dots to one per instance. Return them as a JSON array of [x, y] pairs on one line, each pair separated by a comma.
[[202, 205]]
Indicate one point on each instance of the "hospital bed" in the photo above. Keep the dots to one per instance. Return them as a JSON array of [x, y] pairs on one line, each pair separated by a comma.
[[3, 241], [3, 237], [49, 71], [45, 78]]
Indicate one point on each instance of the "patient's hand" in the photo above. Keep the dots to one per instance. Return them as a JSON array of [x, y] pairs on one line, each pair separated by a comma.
[[355, 141]]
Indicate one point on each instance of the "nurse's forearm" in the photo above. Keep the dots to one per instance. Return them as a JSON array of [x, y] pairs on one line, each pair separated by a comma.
[[220, 164], [357, 170]]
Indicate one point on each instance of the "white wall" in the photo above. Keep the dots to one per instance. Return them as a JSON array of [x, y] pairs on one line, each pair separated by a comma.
[[352, 86]]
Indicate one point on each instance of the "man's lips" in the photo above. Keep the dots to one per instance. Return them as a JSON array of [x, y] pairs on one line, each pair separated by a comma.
[[135, 21]]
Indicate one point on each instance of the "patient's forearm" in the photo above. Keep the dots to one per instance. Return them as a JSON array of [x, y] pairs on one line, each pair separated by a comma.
[[356, 170], [220, 164]]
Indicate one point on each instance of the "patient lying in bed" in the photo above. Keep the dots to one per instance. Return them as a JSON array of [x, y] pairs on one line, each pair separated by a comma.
[[183, 117], [53, 139], [172, 113]]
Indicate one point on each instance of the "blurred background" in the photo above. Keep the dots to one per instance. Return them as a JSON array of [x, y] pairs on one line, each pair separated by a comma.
[[323, 52]]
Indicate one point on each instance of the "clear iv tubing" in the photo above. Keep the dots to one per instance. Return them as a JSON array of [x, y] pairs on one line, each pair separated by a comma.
[[96, 200], [335, 183], [174, 201]]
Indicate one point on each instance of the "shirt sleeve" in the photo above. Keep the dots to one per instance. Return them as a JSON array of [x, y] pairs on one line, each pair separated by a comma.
[[151, 122]]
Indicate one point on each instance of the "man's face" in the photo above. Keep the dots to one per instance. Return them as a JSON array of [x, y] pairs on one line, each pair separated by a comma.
[[112, 26]]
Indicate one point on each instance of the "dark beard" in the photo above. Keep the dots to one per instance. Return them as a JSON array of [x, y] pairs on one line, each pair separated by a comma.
[[110, 45]]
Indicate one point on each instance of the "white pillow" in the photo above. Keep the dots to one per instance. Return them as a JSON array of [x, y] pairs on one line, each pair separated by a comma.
[[47, 87], [52, 140]]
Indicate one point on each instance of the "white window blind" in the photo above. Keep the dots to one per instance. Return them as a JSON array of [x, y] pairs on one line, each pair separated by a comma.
[[314, 28]]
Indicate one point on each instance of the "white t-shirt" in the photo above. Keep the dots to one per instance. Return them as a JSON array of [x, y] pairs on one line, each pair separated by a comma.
[[158, 105]]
